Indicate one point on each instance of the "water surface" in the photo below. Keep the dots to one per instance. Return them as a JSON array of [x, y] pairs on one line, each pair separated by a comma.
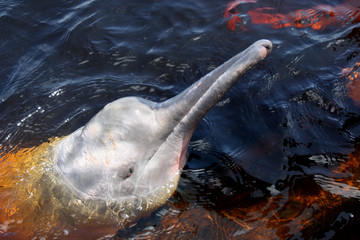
[[276, 158]]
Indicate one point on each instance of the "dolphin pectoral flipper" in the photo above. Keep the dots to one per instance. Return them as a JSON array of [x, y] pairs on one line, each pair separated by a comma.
[[129, 155]]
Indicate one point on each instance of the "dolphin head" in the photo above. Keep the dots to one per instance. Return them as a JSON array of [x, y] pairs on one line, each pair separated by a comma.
[[128, 157]]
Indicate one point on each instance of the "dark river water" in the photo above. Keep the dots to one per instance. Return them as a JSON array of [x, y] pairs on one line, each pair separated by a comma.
[[269, 161]]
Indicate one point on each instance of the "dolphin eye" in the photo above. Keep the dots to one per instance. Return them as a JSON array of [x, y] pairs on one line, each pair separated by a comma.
[[129, 173]]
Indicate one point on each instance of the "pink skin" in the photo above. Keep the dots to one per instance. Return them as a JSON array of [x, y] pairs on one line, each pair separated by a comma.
[[127, 159]]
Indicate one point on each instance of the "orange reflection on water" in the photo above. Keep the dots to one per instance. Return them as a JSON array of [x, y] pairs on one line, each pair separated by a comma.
[[20, 171], [283, 216], [27, 210], [309, 206], [299, 211], [318, 17], [352, 76], [349, 185]]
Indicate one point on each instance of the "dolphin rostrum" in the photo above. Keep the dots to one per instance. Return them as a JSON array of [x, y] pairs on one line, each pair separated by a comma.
[[126, 161]]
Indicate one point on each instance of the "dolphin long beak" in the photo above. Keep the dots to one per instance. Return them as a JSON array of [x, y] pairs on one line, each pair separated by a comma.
[[190, 106]]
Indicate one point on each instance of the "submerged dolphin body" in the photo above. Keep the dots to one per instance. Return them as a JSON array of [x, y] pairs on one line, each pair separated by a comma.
[[126, 160]]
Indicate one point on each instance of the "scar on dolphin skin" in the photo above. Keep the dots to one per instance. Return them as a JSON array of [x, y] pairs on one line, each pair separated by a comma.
[[317, 18], [122, 165]]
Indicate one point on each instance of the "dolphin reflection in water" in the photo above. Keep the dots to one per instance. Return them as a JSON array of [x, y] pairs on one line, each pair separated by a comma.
[[126, 161]]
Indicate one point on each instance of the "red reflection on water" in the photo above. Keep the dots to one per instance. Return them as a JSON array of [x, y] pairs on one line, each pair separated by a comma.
[[318, 17]]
